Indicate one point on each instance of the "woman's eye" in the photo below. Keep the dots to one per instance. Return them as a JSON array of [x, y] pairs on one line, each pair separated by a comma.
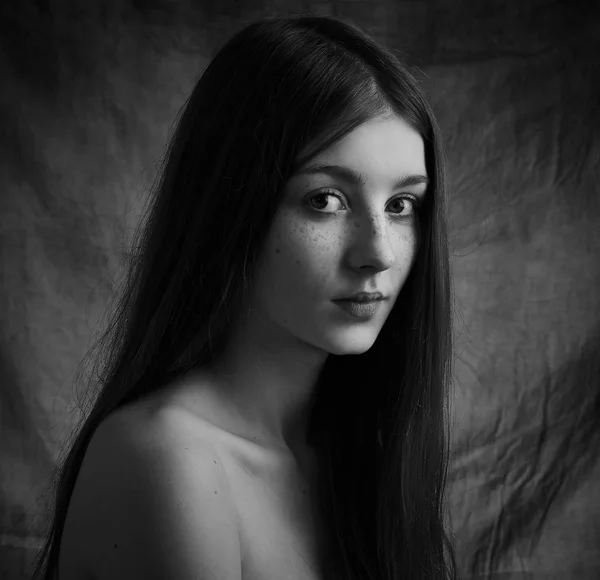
[[323, 203], [413, 204]]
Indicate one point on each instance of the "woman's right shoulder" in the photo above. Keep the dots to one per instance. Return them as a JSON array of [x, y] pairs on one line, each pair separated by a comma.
[[152, 501]]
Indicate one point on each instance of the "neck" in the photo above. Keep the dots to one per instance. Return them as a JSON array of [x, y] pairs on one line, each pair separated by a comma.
[[269, 378]]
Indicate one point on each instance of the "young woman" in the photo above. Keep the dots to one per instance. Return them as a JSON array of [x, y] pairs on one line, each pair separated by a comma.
[[260, 416]]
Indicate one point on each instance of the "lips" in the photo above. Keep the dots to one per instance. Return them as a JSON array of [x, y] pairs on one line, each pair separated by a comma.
[[359, 310], [363, 297]]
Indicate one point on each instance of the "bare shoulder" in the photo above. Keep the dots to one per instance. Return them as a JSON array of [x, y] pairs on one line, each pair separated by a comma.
[[152, 501]]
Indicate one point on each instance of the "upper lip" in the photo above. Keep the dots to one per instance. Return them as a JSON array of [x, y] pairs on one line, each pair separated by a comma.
[[364, 297]]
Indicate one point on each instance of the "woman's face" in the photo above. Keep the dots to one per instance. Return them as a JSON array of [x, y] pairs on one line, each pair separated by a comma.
[[332, 237]]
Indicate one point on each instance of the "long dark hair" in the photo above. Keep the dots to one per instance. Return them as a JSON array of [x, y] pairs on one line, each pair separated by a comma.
[[278, 93]]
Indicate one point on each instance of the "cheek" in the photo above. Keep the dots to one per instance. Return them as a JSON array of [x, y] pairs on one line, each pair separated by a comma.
[[300, 259], [407, 248]]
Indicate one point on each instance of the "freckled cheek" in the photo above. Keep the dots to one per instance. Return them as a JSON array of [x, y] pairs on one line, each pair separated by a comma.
[[407, 246], [303, 262]]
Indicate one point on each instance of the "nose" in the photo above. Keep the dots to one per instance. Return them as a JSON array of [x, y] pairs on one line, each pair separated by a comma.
[[372, 245]]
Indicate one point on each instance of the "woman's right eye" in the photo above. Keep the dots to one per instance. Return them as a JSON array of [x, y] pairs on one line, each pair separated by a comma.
[[322, 200]]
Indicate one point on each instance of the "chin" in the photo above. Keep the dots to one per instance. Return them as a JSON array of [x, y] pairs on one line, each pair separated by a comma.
[[358, 343], [352, 350]]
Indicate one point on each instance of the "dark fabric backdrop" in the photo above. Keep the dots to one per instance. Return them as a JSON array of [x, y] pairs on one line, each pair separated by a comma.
[[88, 94]]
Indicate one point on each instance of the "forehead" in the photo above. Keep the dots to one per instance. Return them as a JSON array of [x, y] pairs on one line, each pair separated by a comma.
[[379, 146], [386, 150]]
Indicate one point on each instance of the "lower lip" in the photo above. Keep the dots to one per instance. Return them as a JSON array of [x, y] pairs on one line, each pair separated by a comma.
[[359, 309]]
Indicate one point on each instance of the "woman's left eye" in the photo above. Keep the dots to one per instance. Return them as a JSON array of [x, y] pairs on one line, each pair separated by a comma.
[[413, 200]]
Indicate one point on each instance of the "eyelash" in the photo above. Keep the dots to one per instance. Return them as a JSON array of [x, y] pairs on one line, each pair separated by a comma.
[[416, 203]]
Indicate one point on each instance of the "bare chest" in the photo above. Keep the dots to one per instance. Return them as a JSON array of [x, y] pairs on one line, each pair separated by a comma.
[[280, 529]]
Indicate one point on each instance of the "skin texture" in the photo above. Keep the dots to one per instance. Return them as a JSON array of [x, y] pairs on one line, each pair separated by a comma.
[[318, 250]]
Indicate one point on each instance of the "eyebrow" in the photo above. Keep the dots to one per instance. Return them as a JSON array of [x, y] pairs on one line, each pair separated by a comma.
[[351, 176]]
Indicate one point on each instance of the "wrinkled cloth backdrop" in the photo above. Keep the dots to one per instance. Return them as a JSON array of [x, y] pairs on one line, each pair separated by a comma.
[[89, 91]]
